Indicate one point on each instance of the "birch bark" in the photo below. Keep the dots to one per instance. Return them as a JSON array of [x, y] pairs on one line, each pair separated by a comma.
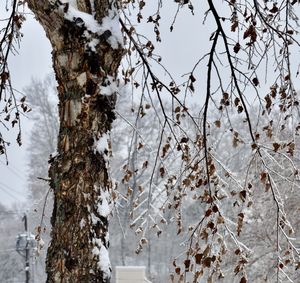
[[85, 63]]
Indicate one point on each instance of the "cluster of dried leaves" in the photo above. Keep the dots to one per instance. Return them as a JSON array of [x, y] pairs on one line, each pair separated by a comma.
[[12, 103], [250, 40]]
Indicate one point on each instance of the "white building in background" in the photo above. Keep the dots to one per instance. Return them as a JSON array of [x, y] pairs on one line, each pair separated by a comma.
[[131, 274]]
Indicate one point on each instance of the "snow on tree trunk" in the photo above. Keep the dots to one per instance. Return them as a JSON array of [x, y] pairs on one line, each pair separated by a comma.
[[87, 49]]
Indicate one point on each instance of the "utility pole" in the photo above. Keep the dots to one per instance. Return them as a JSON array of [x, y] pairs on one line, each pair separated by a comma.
[[27, 251], [26, 246]]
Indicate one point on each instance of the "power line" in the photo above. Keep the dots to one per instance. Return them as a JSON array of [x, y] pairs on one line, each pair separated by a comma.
[[7, 250], [13, 170], [10, 188], [9, 193], [9, 212]]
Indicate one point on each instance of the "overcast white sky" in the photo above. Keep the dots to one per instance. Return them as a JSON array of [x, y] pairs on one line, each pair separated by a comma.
[[33, 60]]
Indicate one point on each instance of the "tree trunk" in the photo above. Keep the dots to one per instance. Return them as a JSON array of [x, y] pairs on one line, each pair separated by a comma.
[[85, 58]]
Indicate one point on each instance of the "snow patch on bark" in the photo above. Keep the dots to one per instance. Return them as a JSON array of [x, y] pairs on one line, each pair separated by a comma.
[[109, 23], [104, 207], [102, 143], [82, 223], [110, 86], [93, 43], [94, 219], [89, 21], [102, 255], [100, 244]]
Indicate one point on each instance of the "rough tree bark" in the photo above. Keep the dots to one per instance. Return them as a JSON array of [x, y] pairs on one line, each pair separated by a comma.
[[84, 62]]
